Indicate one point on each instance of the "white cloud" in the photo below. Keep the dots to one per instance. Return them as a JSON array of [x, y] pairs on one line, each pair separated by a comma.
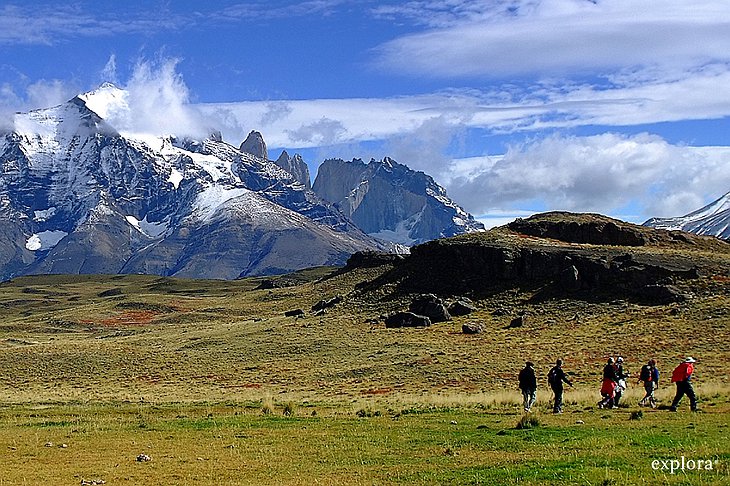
[[155, 102], [109, 73], [500, 39], [607, 173], [49, 24], [46, 93], [636, 101]]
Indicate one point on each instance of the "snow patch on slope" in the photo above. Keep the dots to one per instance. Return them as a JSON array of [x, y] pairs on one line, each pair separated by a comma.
[[213, 197], [45, 240], [149, 229]]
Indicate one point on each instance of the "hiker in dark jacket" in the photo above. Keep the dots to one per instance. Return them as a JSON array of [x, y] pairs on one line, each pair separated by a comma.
[[528, 385], [608, 385], [556, 378], [682, 375], [649, 374]]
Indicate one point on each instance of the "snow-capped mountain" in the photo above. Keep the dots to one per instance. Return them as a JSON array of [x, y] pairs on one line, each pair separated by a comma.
[[391, 202], [712, 220], [76, 196]]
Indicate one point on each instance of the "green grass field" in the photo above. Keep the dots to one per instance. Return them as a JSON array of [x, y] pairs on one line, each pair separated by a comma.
[[217, 386]]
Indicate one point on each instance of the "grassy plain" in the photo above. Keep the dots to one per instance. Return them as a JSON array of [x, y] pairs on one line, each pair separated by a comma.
[[217, 386]]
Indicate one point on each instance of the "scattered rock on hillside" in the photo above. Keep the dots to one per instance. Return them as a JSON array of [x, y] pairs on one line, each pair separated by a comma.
[[294, 313], [430, 306], [143, 458], [406, 319], [661, 294], [326, 303], [461, 307], [472, 328], [518, 321]]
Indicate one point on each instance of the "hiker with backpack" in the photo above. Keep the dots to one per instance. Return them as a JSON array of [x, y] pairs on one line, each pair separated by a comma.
[[649, 374], [528, 385], [608, 385], [682, 376], [556, 377]]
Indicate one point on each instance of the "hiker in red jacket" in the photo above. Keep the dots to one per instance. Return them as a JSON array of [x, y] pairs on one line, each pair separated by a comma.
[[681, 376]]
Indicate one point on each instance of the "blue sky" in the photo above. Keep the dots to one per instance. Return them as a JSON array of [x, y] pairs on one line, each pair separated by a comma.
[[515, 106]]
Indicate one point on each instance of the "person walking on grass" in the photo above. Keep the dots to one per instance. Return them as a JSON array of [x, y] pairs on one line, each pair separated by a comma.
[[682, 376], [649, 374], [528, 385], [556, 377], [608, 385], [620, 380]]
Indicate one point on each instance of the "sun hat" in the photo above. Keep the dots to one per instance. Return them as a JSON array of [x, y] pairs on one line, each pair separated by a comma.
[[619, 359], [690, 359]]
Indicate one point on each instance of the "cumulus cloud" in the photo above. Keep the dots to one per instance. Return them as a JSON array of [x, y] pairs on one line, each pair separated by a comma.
[[607, 173], [156, 101]]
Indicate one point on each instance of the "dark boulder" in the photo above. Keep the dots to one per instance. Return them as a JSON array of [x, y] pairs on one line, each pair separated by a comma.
[[461, 308], [472, 328], [406, 319], [660, 294], [294, 313], [518, 321], [326, 303], [430, 306]]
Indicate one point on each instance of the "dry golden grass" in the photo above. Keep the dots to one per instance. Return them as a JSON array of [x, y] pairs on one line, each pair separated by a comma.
[[197, 374]]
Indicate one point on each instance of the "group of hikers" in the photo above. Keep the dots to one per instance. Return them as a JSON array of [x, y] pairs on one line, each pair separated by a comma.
[[613, 384]]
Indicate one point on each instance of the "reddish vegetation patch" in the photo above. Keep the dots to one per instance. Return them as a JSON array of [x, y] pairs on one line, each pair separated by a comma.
[[130, 318]]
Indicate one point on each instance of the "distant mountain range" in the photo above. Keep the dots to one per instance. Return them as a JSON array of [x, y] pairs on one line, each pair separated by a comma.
[[711, 220], [76, 196]]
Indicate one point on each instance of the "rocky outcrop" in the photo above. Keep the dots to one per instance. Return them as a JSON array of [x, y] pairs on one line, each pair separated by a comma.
[[503, 258], [392, 202], [592, 229], [255, 145], [296, 167]]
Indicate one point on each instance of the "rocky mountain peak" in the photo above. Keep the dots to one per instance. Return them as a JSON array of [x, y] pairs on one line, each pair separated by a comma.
[[390, 201], [255, 145], [295, 166]]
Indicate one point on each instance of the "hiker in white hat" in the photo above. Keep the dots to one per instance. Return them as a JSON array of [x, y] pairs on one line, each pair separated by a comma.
[[682, 376]]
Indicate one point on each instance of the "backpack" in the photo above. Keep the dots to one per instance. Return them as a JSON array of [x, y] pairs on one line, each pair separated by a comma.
[[645, 374], [553, 376]]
